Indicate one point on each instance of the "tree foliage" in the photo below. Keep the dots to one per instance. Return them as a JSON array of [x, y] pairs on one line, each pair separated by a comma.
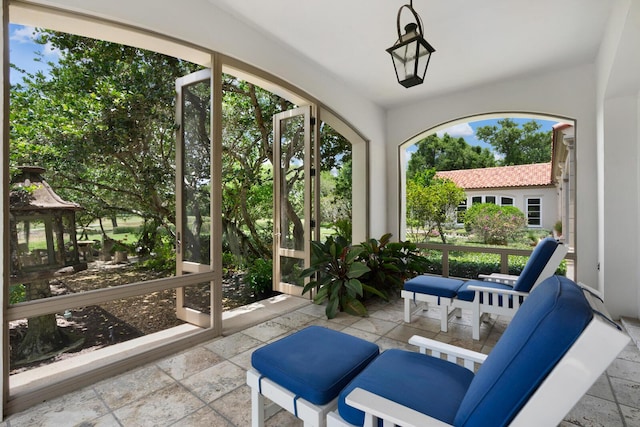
[[447, 153], [518, 145], [431, 202], [102, 124]]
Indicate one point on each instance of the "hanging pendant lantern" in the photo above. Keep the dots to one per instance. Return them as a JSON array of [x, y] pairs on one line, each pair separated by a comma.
[[411, 52]]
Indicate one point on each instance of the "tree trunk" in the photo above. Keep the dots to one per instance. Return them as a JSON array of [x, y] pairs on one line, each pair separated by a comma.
[[43, 335]]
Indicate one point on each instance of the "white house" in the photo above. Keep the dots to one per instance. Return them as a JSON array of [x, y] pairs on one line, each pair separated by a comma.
[[530, 188]]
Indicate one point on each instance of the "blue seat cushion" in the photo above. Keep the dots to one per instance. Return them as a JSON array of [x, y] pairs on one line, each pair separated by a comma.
[[314, 363], [427, 384], [544, 328], [434, 285], [465, 294], [536, 263]]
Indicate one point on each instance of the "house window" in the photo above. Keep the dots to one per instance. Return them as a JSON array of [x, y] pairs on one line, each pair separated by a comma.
[[460, 211], [534, 206], [504, 201]]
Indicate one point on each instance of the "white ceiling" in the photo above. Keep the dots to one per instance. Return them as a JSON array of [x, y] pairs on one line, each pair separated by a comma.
[[476, 42]]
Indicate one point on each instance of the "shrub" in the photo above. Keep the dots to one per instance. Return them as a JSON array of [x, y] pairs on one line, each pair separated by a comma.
[[390, 263], [17, 293], [259, 277], [470, 265], [337, 271], [494, 224], [343, 228], [163, 258], [127, 229]]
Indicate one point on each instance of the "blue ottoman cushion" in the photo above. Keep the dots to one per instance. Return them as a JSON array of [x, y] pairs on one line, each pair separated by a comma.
[[433, 285], [314, 363], [427, 384]]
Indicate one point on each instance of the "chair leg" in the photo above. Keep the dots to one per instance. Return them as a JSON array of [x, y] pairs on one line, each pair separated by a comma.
[[257, 408], [475, 323], [407, 310], [444, 318]]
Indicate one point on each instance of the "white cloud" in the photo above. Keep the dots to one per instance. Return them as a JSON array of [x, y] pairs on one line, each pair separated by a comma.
[[23, 34], [459, 130], [49, 50]]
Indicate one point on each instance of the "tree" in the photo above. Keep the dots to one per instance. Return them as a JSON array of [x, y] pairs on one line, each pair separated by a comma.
[[518, 145], [431, 201], [102, 124], [447, 153]]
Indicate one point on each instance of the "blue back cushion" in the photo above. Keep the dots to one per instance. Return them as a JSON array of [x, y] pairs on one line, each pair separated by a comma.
[[543, 329], [537, 261]]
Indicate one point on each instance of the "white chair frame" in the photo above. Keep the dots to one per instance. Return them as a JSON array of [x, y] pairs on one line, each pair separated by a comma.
[[311, 414], [565, 385]]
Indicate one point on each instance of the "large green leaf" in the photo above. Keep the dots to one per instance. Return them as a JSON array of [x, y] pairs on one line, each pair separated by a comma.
[[309, 286], [353, 253], [353, 307], [357, 269], [354, 286], [321, 295], [332, 307], [375, 291]]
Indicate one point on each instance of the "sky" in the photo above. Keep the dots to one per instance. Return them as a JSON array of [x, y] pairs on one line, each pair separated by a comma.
[[22, 50]]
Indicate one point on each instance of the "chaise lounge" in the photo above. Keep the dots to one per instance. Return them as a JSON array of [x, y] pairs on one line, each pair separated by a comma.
[[496, 294], [554, 349]]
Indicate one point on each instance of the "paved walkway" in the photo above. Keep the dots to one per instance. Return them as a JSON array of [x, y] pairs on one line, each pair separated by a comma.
[[205, 386]]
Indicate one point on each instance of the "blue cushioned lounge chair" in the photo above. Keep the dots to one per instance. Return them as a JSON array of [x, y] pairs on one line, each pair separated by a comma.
[[497, 294], [557, 345]]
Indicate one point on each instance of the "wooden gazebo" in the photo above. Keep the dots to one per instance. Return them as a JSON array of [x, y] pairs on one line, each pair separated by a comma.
[[43, 229]]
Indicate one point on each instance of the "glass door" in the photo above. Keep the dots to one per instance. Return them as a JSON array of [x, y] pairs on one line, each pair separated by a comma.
[[293, 176], [193, 192]]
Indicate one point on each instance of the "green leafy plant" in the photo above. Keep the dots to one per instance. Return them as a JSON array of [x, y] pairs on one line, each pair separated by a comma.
[[390, 263], [17, 293], [259, 277], [337, 269]]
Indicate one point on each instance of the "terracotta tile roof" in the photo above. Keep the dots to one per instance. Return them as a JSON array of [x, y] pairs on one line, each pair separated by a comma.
[[534, 175]]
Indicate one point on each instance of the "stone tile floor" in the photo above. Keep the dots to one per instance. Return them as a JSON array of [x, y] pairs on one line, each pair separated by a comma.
[[205, 386]]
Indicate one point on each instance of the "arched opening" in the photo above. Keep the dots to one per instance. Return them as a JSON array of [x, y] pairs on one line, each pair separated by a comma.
[[547, 202]]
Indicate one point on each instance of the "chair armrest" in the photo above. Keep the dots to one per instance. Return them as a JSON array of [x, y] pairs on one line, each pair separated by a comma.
[[454, 354], [374, 405], [507, 279]]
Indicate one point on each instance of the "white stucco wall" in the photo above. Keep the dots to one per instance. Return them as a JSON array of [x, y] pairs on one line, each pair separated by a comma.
[[618, 153], [568, 93]]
